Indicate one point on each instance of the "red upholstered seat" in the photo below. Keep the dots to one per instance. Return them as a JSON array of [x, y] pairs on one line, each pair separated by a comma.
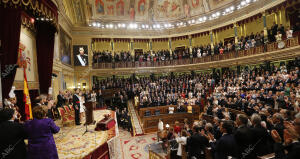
[[65, 117]]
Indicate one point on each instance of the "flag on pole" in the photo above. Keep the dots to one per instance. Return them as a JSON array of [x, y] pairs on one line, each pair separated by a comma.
[[28, 111]]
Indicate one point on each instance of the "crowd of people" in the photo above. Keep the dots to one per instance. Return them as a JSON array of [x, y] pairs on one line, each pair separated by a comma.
[[268, 96], [276, 33]]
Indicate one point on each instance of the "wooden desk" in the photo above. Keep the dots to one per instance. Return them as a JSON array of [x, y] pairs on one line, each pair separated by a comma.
[[150, 123], [165, 110]]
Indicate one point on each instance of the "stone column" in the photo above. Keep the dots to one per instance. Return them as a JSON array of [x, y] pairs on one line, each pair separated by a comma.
[[235, 33], [265, 25]]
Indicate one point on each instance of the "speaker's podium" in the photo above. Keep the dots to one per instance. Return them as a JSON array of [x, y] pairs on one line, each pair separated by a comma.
[[89, 114]]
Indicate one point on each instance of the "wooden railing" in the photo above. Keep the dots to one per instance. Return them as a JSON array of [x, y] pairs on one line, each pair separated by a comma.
[[165, 110], [231, 55]]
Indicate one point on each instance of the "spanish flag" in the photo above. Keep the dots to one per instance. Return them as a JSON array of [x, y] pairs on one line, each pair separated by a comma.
[[28, 111]]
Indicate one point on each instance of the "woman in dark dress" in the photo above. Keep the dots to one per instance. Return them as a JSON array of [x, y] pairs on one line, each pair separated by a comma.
[[40, 132]]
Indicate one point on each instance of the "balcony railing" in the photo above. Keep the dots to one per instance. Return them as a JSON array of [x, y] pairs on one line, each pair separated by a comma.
[[230, 55]]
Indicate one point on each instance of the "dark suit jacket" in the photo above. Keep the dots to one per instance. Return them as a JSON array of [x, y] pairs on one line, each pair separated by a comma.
[[77, 62], [76, 102], [244, 139], [12, 140], [224, 147], [293, 150], [263, 140], [60, 101], [197, 144]]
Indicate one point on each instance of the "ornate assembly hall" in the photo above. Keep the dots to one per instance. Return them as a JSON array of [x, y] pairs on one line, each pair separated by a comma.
[[149, 79]]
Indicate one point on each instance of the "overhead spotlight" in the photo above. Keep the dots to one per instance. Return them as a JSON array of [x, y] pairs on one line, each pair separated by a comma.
[[227, 10], [98, 24], [232, 8], [147, 26], [132, 26], [94, 24], [204, 18], [90, 24], [243, 3], [218, 14], [201, 19], [42, 19], [193, 21], [119, 25], [248, 1]]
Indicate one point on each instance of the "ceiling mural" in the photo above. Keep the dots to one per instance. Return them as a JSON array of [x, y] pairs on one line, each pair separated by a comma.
[[150, 10], [215, 4]]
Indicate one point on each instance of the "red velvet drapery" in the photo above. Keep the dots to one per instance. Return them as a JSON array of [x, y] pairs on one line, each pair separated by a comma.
[[45, 46], [10, 28]]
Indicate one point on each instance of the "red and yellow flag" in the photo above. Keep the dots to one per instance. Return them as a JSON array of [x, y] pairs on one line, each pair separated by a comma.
[[28, 111]]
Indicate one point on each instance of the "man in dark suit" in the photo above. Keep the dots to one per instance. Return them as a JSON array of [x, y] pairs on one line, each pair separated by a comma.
[[76, 105], [293, 148], [12, 136], [226, 146], [244, 138], [197, 144], [81, 59], [60, 99], [260, 136]]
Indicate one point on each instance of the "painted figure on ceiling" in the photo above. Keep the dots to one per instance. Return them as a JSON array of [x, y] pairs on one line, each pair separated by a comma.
[[132, 10], [186, 8], [141, 6], [132, 13], [99, 6], [110, 10], [195, 3], [120, 7], [151, 10], [206, 5]]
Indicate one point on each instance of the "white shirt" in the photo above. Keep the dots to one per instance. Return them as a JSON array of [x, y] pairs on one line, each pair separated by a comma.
[[160, 126], [289, 34], [181, 141], [171, 110]]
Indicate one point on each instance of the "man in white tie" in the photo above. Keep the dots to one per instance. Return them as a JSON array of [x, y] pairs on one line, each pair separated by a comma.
[[81, 59]]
